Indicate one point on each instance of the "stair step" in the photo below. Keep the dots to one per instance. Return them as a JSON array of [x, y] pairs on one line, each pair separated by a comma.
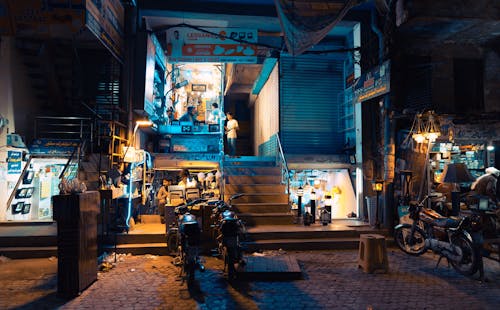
[[303, 244], [261, 198], [29, 252], [253, 219], [250, 161], [22, 241], [134, 238], [255, 188], [158, 248], [270, 235], [265, 207], [253, 179], [252, 171]]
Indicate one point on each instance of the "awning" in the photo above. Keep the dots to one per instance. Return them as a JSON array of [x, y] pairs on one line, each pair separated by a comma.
[[305, 22]]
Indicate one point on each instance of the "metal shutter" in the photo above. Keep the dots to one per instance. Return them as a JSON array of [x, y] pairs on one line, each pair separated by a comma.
[[311, 96]]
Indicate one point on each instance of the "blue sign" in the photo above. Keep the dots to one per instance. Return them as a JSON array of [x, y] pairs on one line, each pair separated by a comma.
[[53, 147], [14, 162], [374, 83]]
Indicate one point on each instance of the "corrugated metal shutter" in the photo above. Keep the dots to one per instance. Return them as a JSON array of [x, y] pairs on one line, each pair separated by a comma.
[[311, 96]]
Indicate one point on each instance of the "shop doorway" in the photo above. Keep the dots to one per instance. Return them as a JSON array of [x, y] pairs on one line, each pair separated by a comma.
[[238, 105]]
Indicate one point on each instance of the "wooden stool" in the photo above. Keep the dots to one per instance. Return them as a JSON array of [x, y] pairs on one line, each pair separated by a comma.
[[372, 253]]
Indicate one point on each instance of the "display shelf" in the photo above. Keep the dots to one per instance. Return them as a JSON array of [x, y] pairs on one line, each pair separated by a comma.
[[472, 155]]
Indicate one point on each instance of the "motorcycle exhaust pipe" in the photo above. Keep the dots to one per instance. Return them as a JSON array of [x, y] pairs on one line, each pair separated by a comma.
[[451, 251]]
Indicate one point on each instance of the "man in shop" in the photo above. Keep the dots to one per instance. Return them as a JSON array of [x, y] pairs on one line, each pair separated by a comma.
[[162, 197], [215, 115], [189, 116], [231, 128]]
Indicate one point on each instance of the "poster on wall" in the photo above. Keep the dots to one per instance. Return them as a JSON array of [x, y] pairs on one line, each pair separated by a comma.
[[373, 83], [212, 45], [14, 162]]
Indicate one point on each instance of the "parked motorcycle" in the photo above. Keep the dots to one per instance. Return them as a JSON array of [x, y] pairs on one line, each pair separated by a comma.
[[229, 230], [184, 241], [447, 236]]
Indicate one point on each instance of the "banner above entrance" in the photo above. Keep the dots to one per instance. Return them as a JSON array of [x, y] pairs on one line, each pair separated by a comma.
[[211, 45]]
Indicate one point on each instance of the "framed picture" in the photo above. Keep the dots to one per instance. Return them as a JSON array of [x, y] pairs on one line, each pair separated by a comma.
[[198, 87], [186, 128], [17, 208], [26, 208], [175, 123], [29, 192], [28, 177]]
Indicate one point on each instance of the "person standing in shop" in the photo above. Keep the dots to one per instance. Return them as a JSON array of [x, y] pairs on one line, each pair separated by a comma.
[[231, 128], [162, 197], [215, 115]]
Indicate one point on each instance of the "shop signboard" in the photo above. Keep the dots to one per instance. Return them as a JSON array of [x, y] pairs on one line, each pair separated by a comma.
[[14, 162], [212, 45], [105, 19], [374, 83], [41, 18], [54, 147]]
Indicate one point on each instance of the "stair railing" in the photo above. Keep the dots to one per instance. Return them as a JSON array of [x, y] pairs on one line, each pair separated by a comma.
[[281, 161]]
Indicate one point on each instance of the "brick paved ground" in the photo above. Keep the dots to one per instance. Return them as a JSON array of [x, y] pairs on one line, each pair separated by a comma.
[[331, 281]]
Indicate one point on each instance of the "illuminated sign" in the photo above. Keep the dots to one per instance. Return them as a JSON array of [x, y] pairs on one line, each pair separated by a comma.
[[212, 45], [374, 83], [14, 160]]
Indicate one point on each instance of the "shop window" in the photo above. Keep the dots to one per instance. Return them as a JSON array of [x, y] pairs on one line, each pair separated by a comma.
[[468, 83]]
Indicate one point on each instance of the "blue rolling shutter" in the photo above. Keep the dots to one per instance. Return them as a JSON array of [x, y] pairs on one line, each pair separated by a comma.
[[311, 96]]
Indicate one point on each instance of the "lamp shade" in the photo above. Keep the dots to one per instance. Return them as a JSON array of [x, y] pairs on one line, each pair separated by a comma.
[[456, 173]]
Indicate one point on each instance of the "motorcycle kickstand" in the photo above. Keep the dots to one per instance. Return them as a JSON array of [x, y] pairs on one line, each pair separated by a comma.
[[439, 261]]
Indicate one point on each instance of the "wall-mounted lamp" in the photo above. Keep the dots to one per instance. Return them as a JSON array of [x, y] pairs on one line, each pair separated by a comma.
[[378, 187]]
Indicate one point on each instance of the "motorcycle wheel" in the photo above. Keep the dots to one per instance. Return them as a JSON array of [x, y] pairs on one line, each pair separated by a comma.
[[469, 264], [413, 245]]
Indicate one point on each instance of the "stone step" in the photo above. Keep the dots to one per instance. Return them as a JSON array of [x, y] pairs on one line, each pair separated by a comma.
[[254, 188], [253, 219], [250, 171], [29, 251], [122, 238], [250, 161], [265, 207], [253, 179], [308, 244], [156, 248], [274, 268], [261, 198], [23, 241], [305, 234], [302, 244]]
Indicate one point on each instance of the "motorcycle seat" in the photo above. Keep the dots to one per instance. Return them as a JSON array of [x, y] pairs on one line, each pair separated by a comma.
[[446, 222]]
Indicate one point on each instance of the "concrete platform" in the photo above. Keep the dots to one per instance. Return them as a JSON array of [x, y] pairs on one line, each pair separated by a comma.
[[270, 268]]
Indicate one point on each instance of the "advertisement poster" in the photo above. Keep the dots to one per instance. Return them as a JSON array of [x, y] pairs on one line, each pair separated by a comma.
[[14, 162], [212, 45], [374, 83]]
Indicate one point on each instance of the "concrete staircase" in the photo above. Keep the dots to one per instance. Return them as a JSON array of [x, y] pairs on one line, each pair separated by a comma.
[[265, 201]]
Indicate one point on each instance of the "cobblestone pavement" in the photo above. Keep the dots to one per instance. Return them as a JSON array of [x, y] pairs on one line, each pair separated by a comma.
[[331, 280]]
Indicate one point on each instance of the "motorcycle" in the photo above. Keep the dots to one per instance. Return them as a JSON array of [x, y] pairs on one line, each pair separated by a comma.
[[184, 241], [229, 230], [449, 237]]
